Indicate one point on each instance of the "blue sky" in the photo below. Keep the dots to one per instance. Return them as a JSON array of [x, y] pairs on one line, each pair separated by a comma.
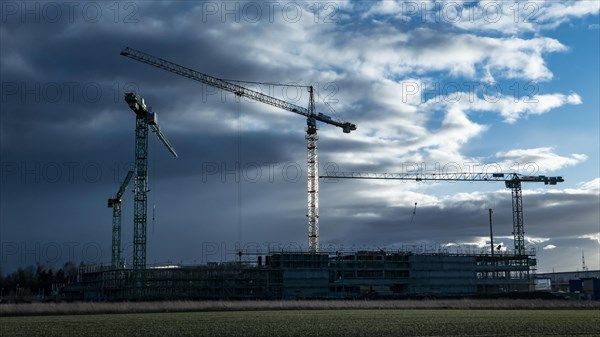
[[67, 140]]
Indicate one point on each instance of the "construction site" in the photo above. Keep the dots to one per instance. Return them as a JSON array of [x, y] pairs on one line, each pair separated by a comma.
[[302, 275], [310, 274]]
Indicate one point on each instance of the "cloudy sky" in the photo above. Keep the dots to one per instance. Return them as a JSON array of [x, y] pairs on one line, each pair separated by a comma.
[[439, 86]]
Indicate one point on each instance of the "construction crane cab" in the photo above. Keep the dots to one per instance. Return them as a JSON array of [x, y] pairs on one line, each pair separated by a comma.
[[348, 127], [152, 118], [136, 103]]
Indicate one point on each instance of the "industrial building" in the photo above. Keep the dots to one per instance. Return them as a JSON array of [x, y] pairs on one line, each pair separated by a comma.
[[302, 275], [583, 285]]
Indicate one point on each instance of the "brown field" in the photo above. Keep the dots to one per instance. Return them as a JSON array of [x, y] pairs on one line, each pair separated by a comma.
[[77, 308]]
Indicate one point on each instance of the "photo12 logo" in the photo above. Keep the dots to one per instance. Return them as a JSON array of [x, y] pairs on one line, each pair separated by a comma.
[[67, 172], [268, 11], [412, 170], [456, 12], [468, 91], [48, 253], [290, 92], [251, 172], [64, 92], [29, 12]]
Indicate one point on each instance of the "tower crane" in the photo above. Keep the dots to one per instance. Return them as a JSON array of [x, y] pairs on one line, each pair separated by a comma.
[[309, 113], [115, 204], [511, 180], [144, 119]]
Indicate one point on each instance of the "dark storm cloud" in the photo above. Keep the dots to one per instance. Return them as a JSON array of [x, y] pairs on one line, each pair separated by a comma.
[[67, 135], [63, 111]]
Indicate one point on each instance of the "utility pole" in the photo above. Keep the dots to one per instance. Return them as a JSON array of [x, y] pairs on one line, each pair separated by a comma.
[[491, 234]]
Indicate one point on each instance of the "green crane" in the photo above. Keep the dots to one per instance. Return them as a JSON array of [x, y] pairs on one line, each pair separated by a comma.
[[115, 204], [145, 119], [511, 180], [311, 126]]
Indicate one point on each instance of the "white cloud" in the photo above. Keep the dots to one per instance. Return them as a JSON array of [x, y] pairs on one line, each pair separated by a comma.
[[593, 185], [536, 240], [549, 247], [509, 18], [543, 159], [382, 51], [385, 8], [480, 242], [394, 196], [535, 105], [592, 236], [376, 61], [464, 198], [464, 53], [511, 108], [367, 215], [504, 17], [554, 13]]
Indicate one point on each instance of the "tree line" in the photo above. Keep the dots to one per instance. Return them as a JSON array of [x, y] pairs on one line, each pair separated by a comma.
[[36, 282]]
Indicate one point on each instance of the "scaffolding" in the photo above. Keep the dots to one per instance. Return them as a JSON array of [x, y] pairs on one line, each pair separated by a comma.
[[325, 275]]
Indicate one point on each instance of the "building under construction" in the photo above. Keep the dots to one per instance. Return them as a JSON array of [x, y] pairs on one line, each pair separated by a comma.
[[309, 274], [301, 275]]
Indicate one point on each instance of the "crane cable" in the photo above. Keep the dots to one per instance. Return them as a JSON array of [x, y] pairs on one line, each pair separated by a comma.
[[335, 113], [268, 83], [239, 167], [413, 214]]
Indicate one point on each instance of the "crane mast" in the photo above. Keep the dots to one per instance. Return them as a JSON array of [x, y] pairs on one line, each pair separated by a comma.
[[115, 204], [144, 120], [511, 180], [313, 173], [311, 130]]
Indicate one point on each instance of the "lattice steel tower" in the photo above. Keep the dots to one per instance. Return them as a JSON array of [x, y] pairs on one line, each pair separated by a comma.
[[115, 204], [144, 118]]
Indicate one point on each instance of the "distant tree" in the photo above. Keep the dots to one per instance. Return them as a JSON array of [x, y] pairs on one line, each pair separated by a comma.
[[40, 279], [44, 280], [70, 270], [59, 277]]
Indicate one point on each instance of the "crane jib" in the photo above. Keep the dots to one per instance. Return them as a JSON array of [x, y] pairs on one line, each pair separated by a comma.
[[231, 87], [508, 178]]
